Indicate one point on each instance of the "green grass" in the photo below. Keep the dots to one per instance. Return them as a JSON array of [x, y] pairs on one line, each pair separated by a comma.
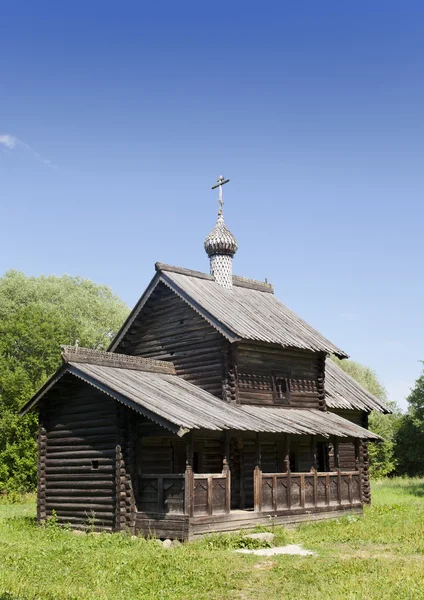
[[378, 556]]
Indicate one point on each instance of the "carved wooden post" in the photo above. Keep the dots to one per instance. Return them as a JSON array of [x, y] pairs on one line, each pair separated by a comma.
[[337, 466], [358, 466], [302, 491], [210, 495], [226, 471], [314, 451], [274, 492], [240, 446], [189, 477], [336, 453], [257, 480], [287, 468]]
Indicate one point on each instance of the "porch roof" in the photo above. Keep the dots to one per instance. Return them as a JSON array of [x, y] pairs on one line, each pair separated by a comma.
[[181, 406]]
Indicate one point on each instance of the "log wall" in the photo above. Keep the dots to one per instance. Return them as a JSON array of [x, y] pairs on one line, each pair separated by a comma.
[[168, 329], [79, 457], [261, 366], [347, 451]]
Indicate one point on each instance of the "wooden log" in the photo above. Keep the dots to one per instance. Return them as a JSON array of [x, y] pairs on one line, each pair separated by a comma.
[[189, 477], [210, 495], [302, 490], [327, 489]]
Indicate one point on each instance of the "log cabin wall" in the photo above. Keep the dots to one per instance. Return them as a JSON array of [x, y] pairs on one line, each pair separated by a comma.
[[168, 329], [347, 451], [126, 481], [269, 374], [78, 456]]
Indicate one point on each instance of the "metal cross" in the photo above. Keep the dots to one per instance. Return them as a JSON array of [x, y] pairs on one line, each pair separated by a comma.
[[221, 181]]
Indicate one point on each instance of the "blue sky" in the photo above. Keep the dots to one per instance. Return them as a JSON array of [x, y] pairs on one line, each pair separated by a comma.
[[116, 118]]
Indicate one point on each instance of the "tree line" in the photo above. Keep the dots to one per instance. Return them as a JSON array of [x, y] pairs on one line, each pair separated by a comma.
[[38, 314]]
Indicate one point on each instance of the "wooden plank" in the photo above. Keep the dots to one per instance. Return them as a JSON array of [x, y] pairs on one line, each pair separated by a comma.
[[161, 507], [302, 491], [209, 497]]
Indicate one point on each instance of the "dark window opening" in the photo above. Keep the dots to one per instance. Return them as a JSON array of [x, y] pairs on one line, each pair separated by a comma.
[[94, 465], [196, 462], [182, 322], [322, 457], [282, 389], [179, 457]]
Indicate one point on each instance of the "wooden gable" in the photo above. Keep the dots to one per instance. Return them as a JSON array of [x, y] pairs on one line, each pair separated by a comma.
[[167, 328]]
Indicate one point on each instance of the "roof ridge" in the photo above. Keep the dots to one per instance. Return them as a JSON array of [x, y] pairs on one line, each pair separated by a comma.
[[72, 354], [253, 284]]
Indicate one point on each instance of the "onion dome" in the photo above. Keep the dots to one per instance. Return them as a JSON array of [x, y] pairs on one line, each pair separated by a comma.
[[220, 240]]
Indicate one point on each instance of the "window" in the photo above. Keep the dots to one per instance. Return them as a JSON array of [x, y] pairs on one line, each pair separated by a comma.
[[94, 465], [282, 389]]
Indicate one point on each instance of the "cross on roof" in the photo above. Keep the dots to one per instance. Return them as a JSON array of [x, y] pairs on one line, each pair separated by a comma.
[[220, 182]]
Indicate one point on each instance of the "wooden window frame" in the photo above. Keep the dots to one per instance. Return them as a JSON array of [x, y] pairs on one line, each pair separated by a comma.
[[281, 397]]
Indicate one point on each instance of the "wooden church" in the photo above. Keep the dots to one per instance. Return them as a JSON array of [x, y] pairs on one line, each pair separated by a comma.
[[214, 408]]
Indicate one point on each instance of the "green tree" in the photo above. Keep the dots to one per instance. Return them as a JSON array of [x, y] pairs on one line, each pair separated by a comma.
[[410, 436], [37, 314], [382, 454]]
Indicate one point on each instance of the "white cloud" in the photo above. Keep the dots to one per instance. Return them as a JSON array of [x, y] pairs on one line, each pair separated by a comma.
[[11, 142]]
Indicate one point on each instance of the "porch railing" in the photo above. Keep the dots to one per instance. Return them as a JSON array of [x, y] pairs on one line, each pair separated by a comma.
[[161, 493], [189, 493], [287, 491], [210, 494]]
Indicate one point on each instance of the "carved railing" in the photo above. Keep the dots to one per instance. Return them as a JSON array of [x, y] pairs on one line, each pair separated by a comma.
[[161, 494], [211, 494], [288, 491], [189, 493]]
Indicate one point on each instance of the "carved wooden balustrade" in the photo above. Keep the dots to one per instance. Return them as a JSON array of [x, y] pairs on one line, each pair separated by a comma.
[[288, 491], [160, 494], [189, 493]]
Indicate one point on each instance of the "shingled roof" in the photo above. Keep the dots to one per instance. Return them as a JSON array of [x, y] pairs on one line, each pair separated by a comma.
[[342, 391], [151, 388], [247, 311]]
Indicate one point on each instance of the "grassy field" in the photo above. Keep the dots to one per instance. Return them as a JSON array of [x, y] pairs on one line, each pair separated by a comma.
[[379, 555]]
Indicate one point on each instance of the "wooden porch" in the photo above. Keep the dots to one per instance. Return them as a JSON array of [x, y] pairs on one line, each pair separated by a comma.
[[187, 505]]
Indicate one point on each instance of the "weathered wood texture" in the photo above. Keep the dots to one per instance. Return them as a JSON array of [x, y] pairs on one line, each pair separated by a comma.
[[347, 456], [78, 456], [280, 491], [168, 526], [126, 473], [241, 519], [272, 375], [168, 329]]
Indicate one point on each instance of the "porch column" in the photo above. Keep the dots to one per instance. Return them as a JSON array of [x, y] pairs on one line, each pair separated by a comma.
[[189, 477], [337, 466], [257, 477], [287, 468], [226, 471], [358, 467], [314, 452], [336, 453]]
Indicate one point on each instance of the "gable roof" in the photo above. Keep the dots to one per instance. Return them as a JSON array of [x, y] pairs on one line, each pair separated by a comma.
[[180, 406], [248, 311], [342, 391]]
